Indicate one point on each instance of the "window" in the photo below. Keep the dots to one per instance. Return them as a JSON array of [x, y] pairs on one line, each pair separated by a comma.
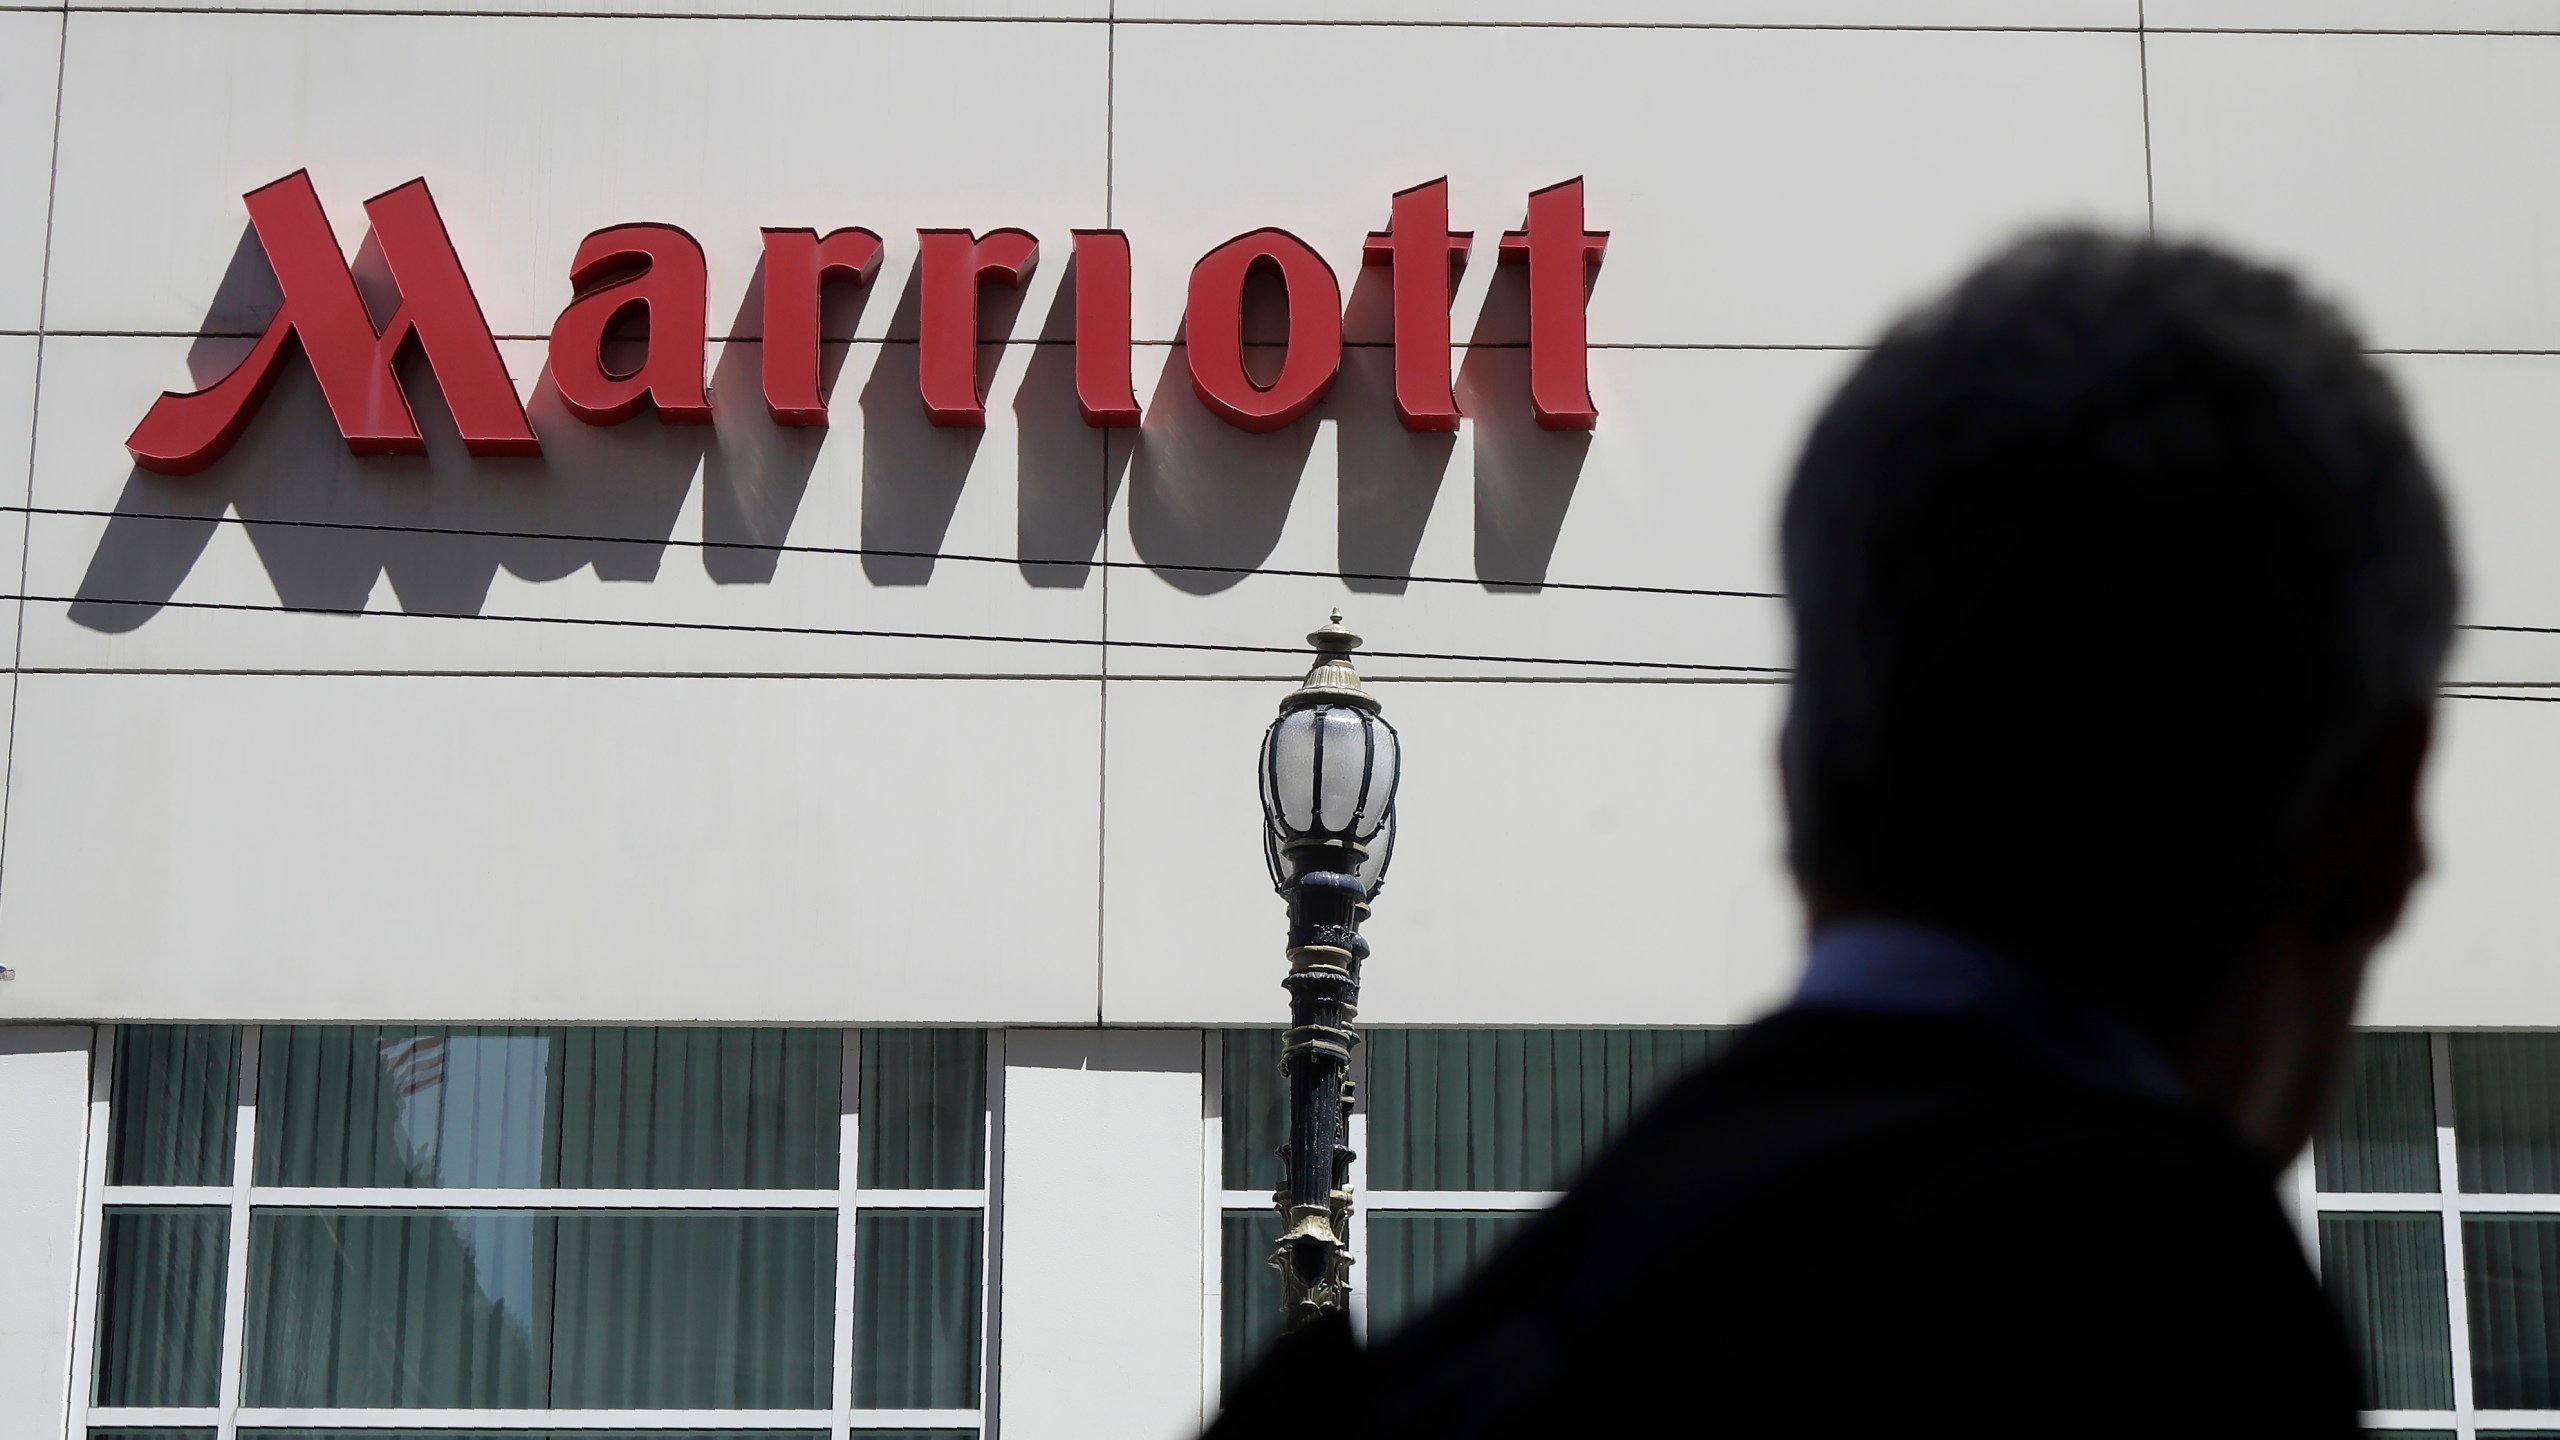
[[2437, 1195], [1461, 1134], [316, 1232]]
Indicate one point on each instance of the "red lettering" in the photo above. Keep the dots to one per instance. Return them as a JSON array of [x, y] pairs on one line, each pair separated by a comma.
[[1104, 391], [797, 265], [322, 313], [952, 264], [669, 286], [1423, 256], [1559, 253], [1214, 331]]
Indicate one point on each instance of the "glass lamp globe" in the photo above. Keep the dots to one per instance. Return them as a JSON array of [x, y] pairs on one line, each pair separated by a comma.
[[1328, 772]]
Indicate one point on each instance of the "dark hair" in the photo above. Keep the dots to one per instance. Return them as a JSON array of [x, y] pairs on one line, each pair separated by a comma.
[[2101, 565]]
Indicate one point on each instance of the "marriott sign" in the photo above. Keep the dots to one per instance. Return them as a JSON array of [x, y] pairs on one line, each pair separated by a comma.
[[656, 274]]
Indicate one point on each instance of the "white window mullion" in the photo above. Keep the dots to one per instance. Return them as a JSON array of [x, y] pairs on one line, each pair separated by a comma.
[[848, 1175], [2449, 1207], [235, 1270], [991, 1253], [1358, 1240], [1213, 1171], [84, 1316]]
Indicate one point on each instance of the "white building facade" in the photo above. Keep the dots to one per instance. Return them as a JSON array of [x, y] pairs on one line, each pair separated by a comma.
[[726, 926]]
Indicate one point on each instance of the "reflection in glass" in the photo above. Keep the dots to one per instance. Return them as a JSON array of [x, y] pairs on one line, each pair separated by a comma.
[[1417, 1258], [2513, 1286], [591, 1108], [393, 1308], [176, 1097], [2506, 1112], [1249, 1292], [1512, 1109], [160, 1306], [924, 1110], [916, 1305], [2385, 1273], [2382, 1140]]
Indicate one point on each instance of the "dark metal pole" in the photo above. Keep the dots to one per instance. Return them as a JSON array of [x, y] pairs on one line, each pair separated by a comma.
[[1325, 950]]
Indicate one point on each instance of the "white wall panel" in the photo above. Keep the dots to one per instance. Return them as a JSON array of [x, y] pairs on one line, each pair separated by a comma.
[[2412, 175], [829, 9], [641, 525], [534, 132], [1760, 186], [1567, 854], [1677, 491], [589, 850], [44, 1132], [2477, 947], [2042, 14], [1104, 1257], [2508, 16], [30, 48]]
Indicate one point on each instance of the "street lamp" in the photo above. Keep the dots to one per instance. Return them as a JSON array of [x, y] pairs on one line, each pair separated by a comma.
[[1329, 768]]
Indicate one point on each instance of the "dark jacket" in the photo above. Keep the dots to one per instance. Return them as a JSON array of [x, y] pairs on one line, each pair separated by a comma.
[[1864, 1224]]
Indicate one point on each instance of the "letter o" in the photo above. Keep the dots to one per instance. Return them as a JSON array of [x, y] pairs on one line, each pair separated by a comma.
[[1214, 333]]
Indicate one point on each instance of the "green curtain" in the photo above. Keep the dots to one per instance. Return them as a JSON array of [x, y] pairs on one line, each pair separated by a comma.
[[1248, 1291], [531, 1433], [1511, 1109], [2385, 1273], [1253, 1109], [924, 1110], [916, 1294], [588, 1108], [160, 1293], [1415, 1258], [2512, 1280], [2381, 1140], [176, 1096], [2506, 1112], [470, 1310]]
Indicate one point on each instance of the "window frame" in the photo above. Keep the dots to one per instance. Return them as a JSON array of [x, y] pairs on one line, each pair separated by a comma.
[[846, 1200], [2451, 1205]]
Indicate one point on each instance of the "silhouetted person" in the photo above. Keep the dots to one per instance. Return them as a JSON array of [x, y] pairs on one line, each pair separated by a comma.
[[2121, 594]]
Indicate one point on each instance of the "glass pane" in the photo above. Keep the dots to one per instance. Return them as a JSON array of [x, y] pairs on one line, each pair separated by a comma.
[[2513, 1284], [177, 1096], [1253, 1108], [686, 1107], [400, 1105], [915, 1296], [160, 1306], [375, 1308], [1415, 1259], [1248, 1292], [2385, 1273], [129, 1432], [1511, 1109], [641, 1108], [473, 1309], [2382, 1140], [694, 1312], [924, 1110], [2506, 1113]]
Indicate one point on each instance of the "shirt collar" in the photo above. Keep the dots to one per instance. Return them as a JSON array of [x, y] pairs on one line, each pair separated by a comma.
[[1893, 967]]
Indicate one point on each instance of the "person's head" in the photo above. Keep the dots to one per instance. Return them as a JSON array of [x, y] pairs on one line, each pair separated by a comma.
[[2121, 594]]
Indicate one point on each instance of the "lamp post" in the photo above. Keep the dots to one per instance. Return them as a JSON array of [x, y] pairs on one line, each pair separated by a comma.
[[1329, 767]]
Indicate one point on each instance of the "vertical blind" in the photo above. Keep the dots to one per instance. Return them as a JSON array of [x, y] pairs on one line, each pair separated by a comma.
[[682, 1304]]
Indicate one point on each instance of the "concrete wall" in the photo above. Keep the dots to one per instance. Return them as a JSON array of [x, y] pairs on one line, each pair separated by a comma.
[[589, 753], [44, 1136]]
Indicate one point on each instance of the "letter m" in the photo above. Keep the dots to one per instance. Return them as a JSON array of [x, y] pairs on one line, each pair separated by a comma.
[[325, 315]]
